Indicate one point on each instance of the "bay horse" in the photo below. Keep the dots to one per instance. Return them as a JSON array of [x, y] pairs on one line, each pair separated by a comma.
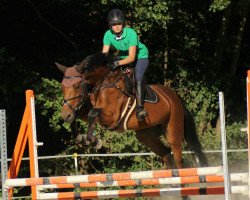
[[114, 108]]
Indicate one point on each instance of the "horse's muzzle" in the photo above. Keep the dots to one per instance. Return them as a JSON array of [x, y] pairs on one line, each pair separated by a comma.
[[67, 114]]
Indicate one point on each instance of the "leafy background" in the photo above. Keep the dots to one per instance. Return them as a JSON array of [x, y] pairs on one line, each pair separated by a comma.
[[198, 48]]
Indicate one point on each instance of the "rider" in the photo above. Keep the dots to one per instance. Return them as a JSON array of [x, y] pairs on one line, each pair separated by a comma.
[[125, 40]]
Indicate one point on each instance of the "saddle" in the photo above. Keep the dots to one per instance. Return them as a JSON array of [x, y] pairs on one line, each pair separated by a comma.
[[149, 94]]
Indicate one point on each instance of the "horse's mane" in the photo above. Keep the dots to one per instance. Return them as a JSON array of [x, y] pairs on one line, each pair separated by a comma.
[[98, 59]]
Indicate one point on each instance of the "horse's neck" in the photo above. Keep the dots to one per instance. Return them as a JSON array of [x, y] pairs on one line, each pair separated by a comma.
[[115, 76], [103, 72]]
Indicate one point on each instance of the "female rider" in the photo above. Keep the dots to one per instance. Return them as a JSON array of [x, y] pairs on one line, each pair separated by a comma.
[[125, 40]]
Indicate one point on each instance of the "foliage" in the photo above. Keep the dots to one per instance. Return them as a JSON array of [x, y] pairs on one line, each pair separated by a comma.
[[144, 15], [237, 139], [199, 99], [49, 97], [123, 143], [218, 5]]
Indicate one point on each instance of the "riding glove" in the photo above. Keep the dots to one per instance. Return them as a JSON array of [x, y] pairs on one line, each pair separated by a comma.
[[114, 64]]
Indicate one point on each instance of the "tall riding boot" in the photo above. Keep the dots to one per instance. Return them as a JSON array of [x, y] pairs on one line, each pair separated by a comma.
[[140, 112]]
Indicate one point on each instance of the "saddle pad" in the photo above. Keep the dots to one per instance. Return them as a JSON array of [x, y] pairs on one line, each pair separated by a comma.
[[150, 95]]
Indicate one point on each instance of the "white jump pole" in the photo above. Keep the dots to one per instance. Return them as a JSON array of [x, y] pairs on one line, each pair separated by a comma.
[[224, 146], [3, 142], [248, 126]]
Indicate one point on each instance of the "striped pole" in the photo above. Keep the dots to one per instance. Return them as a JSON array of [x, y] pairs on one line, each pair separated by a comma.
[[224, 146], [140, 182], [114, 176], [3, 147], [239, 189], [134, 193], [236, 177]]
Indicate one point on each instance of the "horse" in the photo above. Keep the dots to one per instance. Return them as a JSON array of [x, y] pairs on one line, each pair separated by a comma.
[[113, 107]]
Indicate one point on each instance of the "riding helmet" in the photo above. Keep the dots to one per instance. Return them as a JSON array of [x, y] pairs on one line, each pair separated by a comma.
[[116, 16]]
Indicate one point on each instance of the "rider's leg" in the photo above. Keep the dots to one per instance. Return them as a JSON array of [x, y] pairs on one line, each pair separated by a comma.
[[141, 112], [140, 69]]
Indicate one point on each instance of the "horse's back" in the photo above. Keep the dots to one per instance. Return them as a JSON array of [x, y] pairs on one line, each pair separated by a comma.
[[169, 99], [167, 94], [167, 108]]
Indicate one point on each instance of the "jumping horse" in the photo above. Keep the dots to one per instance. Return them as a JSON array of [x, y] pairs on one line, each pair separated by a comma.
[[98, 94]]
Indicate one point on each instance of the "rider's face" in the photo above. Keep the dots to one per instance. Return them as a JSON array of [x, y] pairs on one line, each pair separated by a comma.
[[117, 28]]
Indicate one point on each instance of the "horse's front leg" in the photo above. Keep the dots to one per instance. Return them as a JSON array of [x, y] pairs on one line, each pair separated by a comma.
[[79, 138], [91, 138]]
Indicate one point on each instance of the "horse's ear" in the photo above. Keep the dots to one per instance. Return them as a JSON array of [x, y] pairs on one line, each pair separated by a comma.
[[79, 68], [62, 68]]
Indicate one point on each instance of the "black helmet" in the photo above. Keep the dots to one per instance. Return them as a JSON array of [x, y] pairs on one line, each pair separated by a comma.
[[116, 16]]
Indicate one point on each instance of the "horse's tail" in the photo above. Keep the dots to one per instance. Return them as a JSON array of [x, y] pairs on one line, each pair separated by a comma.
[[191, 137]]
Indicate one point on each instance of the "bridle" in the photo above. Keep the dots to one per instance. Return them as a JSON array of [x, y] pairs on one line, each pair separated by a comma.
[[83, 96]]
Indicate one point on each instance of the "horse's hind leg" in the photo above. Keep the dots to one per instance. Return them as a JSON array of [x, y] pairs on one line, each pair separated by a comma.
[[175, 136], [150, 137], [175, 143]]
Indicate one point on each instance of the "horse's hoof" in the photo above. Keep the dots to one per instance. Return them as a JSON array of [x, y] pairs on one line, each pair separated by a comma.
[[79, 138], [85, 141], [98, 144], [82, 139]]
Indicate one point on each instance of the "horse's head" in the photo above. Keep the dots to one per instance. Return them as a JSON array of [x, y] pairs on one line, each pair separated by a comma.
[[89, 72], [74, 91]]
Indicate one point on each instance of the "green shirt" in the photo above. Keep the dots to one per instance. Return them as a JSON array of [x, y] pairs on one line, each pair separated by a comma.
[[129, 38]]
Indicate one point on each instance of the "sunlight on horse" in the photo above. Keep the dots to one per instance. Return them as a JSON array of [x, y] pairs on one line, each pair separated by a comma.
[[113, 107]]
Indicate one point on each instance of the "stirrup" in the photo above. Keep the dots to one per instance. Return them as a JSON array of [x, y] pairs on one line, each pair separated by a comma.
[[143, 113]]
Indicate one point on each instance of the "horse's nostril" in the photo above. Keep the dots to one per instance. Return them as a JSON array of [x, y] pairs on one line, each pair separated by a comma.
[[69, 117]]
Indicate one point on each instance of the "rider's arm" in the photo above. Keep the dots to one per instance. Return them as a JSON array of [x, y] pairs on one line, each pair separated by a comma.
[[105, 48], [130, 58]]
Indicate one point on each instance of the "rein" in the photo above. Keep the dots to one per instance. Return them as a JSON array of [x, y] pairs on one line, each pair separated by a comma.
[[113, 84]]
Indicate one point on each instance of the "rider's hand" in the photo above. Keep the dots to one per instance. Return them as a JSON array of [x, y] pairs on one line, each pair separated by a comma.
[[114, 64]]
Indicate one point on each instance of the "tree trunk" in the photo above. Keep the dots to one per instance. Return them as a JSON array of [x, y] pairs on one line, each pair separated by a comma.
[[238, 38], [165, 66], [166, 82], [222, 38]]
